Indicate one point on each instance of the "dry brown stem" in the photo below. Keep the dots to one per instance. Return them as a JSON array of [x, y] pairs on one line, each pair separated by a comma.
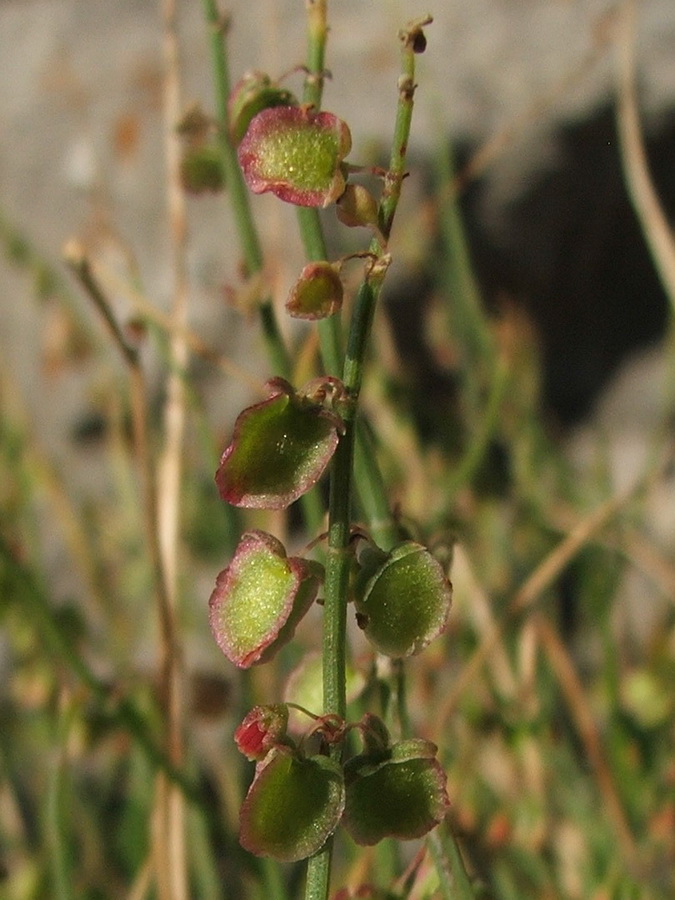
[[170, 850], [573, 692], [542, 577], [648, 209]]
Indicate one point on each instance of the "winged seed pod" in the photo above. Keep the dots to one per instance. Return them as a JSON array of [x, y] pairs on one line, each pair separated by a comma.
[[293, 805], [317, 293], [279, 449], [259, 599], [296, 153], [402, 599], [399, 792]]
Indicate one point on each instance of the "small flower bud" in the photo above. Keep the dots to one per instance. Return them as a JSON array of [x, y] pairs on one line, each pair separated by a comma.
[[317, 293], [254, 92], [263, 728], [357, 207]]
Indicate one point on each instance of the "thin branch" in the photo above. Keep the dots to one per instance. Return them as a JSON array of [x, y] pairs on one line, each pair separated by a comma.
[[573, 692], [79, 263], [534, 586], [655, 226], [171, 861]]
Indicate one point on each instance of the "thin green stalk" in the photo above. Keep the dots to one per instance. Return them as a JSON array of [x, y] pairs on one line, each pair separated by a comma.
[[342, 470], [466, 318], [246, 228], [475, 452], [371, 490], [453, 880], [340, 501], [401, 699], [404, 110], [275, 888], [238, 192], [318, 873], [57, 816], [317, 32]]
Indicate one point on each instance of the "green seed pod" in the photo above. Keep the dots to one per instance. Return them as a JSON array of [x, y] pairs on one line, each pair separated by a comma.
[[293, 805], [399, 793], [254, 92], [260, 598], [402, 599], [317, 293], [279, 450], [357, 207], [296, 153]]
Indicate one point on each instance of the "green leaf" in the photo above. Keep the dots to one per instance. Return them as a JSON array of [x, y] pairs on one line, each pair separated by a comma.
[[400, 793], [260, 598], [402, 599], [279, 450], [293, 805], [296, 153]]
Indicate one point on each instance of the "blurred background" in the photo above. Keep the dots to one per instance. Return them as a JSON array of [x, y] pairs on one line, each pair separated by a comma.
[[517, 170]]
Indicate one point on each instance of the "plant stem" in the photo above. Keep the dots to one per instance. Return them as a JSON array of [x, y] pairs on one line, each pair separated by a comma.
[[475, 452], [239, 196], [172, 876], [317, 32], [318, 873], [453, 879], [58, 807], [246, 228], [338, 560], [466, 318]]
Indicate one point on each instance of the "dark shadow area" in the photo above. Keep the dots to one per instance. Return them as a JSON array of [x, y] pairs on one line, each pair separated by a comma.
[[569, 251]]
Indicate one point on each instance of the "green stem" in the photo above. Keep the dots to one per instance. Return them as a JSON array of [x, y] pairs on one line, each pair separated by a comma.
[[57, 817], [238, 192], [371, 490], [466, 318], [318, 873], [317, 32], [453, 880], [246, 228], [475, 452], [342, 470]]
